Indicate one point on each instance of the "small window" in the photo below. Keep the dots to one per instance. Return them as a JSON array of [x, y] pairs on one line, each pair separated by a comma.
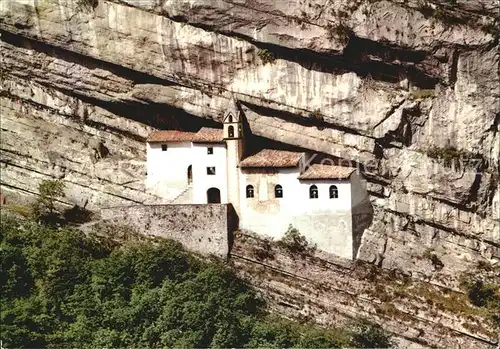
[[278, 191], [334, 192], [313, 192], [163, 147], [210, 170], [230, 118], [210, 150], [230, 131], [250, 191]]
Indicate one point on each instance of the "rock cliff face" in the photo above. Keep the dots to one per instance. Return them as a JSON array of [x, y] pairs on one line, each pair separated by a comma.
[[408, 90]]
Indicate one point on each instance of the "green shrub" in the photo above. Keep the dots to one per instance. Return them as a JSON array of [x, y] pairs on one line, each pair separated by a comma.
[[44, 208], [294, 241], [422, 94], [266, 56], [448, 155], [19, 210], [482, 294], [366, 335]]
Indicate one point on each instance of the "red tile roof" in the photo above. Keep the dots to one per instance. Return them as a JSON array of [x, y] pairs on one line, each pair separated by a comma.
[[272, 158], [209, 135], [170, 136], [318, 171]]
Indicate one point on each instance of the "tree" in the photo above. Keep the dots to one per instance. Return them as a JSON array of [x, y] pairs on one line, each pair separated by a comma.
[[44, 208], [367, 335], [294, 241]]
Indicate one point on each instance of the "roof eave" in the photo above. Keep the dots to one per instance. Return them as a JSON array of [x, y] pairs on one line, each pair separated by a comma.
[[188, 141], [209, 142], [323, 179], [267, 166]]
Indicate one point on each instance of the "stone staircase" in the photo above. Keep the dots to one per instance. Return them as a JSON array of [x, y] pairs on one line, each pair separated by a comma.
[[184, 197]]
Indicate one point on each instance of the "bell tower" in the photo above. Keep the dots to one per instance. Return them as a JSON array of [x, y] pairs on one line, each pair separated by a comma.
[[233, 135]]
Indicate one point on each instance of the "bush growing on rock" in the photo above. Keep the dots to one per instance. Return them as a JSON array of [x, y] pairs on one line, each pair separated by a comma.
[[266, 56], [87, 5], [482, 294], [294, 241], [44, 208], [366, 335]]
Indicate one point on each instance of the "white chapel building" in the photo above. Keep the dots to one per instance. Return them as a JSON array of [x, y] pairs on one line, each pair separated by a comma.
[[269, 190]]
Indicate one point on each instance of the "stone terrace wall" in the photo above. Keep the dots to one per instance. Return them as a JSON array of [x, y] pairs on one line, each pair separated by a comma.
[[201, 228]]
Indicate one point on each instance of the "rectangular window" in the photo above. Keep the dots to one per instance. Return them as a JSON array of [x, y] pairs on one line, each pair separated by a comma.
[[210, 150], [210, 170], [163, 147]]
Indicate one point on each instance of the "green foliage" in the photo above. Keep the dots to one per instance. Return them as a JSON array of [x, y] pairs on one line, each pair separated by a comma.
[[366, 335], [294, 241], [421, 94], [449, 155], [44, 208], [266, 56], [64, 289], [19, 210], [482, 294]]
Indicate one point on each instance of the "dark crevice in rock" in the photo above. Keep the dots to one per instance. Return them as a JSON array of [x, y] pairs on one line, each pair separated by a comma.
[[376, 180], [161, 116], [258, 143], [494, 126], [75, 117], [375, 194], [312, 121], [367, 58], [80, 59], [454, 67], [471, 200], [372, 56], [487, 200], [402, 136]]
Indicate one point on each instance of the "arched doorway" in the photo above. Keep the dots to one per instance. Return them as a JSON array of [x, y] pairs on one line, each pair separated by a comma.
[[190, 174], [213, 196]]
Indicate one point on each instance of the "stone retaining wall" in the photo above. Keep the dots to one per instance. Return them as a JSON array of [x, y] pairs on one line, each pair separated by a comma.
[[201, 228]]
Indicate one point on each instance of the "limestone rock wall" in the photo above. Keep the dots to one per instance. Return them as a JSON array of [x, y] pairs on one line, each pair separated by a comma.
[[408, 90], [335, 292]]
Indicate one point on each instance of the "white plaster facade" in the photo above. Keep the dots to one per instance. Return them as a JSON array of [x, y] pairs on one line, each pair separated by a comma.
[[326, 222], [202, 181], [167, 170], [332, 223]]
